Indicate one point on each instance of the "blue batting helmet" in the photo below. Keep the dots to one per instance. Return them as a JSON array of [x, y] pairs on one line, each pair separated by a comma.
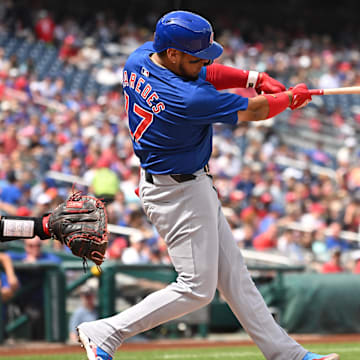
[[187, 32]]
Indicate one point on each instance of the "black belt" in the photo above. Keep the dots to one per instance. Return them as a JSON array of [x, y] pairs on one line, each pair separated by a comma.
[[180, 178]]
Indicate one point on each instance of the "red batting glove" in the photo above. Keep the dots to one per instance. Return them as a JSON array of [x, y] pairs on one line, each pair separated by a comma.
[[300, 96], [267, 85]]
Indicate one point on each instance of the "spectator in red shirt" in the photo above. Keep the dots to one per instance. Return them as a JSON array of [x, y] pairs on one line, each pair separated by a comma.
[[9, 139], [44, 27], [68, 48], [116, 248], [334, 264], [267, 240]]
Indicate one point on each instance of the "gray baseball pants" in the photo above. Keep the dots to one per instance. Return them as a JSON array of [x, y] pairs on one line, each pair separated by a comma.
[[188, 216]]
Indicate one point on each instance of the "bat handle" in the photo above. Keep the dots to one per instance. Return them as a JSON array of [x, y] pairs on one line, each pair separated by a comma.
[[316, 92]]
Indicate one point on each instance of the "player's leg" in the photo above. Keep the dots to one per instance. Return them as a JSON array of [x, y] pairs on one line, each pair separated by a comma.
[[237, 287], [187, 219]]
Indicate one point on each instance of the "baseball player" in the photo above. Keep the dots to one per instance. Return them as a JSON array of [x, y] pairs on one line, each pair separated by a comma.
[[172, 100]]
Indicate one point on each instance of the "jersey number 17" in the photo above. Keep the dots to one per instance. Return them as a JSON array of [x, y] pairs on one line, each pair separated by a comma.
[[146, 118]]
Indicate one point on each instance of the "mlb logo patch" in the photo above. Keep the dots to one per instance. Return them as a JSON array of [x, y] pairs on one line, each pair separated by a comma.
[[145, 72]]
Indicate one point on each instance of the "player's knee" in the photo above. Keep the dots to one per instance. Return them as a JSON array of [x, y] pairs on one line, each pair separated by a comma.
[[202, 292], [207, 296]]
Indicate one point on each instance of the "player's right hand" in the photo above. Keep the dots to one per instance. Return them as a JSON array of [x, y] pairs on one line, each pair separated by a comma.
[[268, 85], [300, 96]]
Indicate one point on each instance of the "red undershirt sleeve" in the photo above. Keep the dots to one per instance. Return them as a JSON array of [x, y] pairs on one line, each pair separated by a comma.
[[226, 77]]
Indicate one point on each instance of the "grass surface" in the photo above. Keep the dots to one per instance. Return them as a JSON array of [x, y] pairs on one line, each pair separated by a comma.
[[347, 351]]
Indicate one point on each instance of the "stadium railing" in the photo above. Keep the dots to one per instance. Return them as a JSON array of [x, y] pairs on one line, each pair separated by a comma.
[[56, 288]]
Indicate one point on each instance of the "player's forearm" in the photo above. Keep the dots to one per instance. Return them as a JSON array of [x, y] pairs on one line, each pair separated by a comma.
[[265, 106], [16, 227], [226, 77]]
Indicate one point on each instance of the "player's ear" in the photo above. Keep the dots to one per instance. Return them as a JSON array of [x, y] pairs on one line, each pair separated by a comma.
[[172, 55]]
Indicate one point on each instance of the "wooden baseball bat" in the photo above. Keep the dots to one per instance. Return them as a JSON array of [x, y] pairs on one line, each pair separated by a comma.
[[336, 91]]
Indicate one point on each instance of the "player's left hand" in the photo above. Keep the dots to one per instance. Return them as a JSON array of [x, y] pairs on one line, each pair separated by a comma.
[[267, 85], [300, 96]]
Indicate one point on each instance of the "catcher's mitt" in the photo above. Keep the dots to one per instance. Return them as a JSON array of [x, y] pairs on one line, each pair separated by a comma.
[[81, 223]]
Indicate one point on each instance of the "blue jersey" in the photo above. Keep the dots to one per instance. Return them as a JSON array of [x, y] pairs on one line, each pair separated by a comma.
[[170, 117]]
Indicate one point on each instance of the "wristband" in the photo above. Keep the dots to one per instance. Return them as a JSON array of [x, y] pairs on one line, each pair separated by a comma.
[[14, 227], [252, 79], [277, 103], [17, 227]]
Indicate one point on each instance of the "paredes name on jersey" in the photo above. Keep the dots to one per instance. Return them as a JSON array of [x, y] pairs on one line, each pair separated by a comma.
[[143, 88]]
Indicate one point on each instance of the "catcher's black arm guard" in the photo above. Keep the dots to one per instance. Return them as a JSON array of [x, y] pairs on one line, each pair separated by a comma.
[[21, 227]]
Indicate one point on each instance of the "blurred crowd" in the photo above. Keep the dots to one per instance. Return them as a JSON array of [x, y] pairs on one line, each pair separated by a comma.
[[48, 127]]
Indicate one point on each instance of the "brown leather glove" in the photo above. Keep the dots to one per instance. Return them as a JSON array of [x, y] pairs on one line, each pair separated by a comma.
[[81, 224]]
